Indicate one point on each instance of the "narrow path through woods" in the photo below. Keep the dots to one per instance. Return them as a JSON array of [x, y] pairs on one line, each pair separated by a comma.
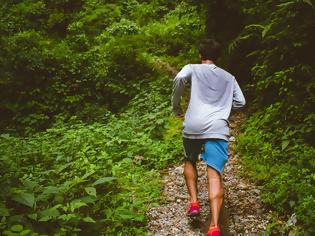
[[242, 211]]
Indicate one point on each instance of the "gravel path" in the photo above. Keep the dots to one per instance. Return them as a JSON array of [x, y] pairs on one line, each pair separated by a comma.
[[242, 212]]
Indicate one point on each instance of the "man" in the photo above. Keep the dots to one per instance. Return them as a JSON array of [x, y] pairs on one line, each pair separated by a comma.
[[214, 92]]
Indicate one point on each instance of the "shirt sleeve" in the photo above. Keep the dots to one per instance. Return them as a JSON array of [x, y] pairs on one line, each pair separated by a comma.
[[238, 97], [182, 79]]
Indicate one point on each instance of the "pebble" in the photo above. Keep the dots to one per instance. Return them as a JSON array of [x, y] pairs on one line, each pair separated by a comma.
[[232, 139]]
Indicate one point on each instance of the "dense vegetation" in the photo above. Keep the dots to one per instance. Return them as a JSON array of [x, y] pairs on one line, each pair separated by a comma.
[[85, 107], [272, 54], [75, 159], [278, 139]]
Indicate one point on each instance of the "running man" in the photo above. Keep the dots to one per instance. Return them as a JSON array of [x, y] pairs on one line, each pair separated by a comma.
[[214, 92]]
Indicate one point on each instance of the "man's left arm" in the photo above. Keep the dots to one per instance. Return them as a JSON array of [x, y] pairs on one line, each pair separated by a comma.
[[179, 83], [238, 97]]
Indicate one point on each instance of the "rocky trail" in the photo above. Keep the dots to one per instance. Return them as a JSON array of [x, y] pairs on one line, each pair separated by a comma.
[[242, 212]]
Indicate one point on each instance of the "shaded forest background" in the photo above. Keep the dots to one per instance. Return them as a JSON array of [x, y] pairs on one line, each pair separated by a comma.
[[85, 107]]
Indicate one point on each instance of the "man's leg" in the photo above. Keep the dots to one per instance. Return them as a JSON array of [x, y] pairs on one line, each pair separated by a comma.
[[191, 177], [216, 192], [192, 148]]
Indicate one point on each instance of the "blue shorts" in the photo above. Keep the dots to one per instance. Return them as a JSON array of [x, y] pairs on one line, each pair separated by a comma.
[[213, 151]]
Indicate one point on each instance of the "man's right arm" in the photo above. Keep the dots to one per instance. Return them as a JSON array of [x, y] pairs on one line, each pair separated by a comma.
[[179, 83]]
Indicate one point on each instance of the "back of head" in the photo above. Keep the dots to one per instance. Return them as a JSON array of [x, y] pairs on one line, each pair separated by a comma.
[[209, 49]]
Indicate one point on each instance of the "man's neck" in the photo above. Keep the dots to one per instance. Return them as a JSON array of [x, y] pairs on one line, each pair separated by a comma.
[[207, 62]]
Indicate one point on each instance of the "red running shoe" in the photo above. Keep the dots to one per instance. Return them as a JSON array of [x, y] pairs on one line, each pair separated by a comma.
[[194, 209], [214, 231]]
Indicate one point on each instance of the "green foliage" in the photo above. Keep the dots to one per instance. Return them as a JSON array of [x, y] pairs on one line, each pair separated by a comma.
[[69, 69], [67, 58], [57, 176], [85, 177], [277, 158], [91, 74], [91, 178], [278, 139]]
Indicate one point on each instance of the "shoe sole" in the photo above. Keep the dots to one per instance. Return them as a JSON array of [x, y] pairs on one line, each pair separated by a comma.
[[193, 214], [216, 233]]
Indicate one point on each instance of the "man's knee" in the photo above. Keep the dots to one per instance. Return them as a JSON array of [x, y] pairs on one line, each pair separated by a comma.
[[189, 162], [216, 194]]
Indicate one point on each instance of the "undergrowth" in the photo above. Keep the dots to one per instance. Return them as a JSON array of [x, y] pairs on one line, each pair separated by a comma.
[[90, 178], [81, 154], [279, 160]]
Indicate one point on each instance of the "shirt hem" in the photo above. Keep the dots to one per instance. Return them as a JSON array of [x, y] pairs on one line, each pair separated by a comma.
[[205, 136]]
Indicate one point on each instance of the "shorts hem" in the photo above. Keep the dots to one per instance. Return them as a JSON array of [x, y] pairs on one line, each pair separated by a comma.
[[214, 167]]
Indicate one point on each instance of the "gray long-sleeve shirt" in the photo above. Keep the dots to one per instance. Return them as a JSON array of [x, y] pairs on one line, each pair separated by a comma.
[[214, 92]]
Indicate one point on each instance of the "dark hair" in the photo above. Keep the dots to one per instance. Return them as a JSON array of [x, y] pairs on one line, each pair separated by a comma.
[[209, 49]]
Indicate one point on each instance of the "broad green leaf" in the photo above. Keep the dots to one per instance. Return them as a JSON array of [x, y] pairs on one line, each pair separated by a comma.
[[88, 174], [140, 218], [32, 216], [87, 199], [103, 180], [159, 121], [26, 199], [285, 143], [126, 216], [25, 232], [29, 184], [63, 167], [44, 219], [48, 214], [50, 190], [16, 228], [67, 217], [109, 212], [76, 204], [89, 220], [91, 191]]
